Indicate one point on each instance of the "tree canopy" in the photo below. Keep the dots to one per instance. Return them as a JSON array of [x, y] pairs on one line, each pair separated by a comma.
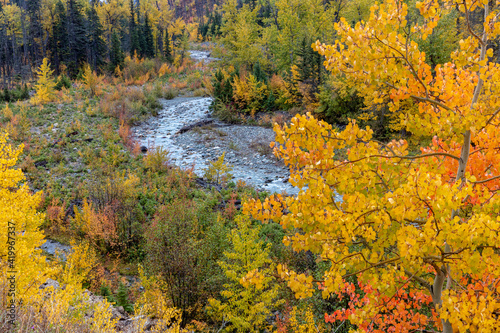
[[393, 216]]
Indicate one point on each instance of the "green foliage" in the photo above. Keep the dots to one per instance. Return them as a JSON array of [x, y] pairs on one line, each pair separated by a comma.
[[338, 104], [17, 94], [218, 171], [222, 86], [184, 242], [6, 95], [167, 49], [116, 56], [241, 34], [148, 49], [63, 82], [106, 292], [250, 294], [439, 45]]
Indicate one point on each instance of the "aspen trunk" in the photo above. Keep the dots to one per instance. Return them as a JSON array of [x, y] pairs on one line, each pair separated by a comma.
[[437, 288]]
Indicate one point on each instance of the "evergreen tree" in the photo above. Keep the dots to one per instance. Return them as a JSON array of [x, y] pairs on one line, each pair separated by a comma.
[[58, 41], [167, 50], [76, 33], [116, 55], [35, 35], [122, 298], [149, 47], [140, 36], [134, 38], [96, 49], [309, 63]]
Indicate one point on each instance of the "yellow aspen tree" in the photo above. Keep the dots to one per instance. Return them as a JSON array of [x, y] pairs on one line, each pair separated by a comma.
[[23, 267], [427, 220]]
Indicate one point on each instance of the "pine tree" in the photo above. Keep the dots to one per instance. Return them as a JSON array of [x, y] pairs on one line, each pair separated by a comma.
[[96, 46], [305, 60], [167, 48], [149, 47], [77, 41], [134, 38], [58, 41], [141, 36], [122, 298], [35, 35], [116, 56]]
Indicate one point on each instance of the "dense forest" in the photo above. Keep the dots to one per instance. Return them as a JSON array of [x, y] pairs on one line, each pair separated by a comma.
[[370, 206]]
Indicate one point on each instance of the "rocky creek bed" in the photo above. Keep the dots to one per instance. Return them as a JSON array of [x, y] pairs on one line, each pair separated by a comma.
[[246, 147]]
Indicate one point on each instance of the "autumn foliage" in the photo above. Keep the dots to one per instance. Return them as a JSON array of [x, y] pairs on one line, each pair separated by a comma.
[[385, 213]]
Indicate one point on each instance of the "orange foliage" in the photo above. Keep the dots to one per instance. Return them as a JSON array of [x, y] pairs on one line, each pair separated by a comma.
[[99, 226], [403, 312], [55, 215]]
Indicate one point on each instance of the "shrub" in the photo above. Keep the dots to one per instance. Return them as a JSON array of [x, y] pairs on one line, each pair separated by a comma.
[[98, 225], [91, 80], [122, 298], [337, 105], [111, 216], [184, 241], [222, 86], [157, 159], [251, 291], [63, 82], [218, 171], [249, 93]]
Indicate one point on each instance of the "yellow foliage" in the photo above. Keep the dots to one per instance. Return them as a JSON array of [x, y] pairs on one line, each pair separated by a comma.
[[20, 225], [164, 69], [7, 112], [390, 216], [287, 91], [251, 291], [153, 302], [218, 171], [118, 72], [23, 267], [249, 93], [44, 86], [91, 80], [308, 326], [79, 265]]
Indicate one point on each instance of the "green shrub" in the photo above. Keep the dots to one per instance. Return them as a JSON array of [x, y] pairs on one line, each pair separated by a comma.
[[337, 106], [63, 82], [184, 243], [122, 298], [16, 94]]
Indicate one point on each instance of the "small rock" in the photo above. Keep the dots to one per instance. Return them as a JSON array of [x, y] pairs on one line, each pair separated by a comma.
[[118, 312], [50, 283]]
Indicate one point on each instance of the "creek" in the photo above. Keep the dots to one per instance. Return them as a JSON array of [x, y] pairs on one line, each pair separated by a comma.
[[246, 148]]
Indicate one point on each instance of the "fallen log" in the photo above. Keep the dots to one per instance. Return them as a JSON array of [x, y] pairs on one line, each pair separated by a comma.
[[197, 124]]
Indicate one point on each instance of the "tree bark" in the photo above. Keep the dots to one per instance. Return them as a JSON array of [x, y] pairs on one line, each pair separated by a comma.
[[437, 288]]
